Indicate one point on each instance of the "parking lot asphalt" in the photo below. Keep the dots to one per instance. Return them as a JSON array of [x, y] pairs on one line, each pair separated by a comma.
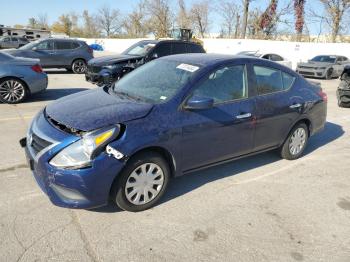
[[260, 208]]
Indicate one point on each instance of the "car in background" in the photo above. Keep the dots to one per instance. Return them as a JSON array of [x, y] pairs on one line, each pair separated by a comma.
[[323, 66], [70, 54], [108, 69], [169, 117], [343, 91], [20, 78], [268, 56], [12, 42]]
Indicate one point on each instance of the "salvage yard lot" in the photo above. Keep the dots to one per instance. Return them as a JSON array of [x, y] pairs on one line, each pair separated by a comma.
[[260, 208]]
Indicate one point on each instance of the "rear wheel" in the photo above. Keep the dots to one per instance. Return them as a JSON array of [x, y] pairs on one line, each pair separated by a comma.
[[142, 183], [296, 142], [79, 66], [12, 91]]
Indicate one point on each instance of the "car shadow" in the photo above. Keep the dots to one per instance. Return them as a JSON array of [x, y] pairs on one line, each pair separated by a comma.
[[187, 183], [57, 72], [53, 94]]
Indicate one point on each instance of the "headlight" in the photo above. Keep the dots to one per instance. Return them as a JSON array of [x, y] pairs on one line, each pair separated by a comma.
[[80, 153], [111, 67]]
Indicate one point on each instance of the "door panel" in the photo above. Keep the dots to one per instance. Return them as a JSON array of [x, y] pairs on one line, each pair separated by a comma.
[[278, 107], [225, 130], [45, 52]]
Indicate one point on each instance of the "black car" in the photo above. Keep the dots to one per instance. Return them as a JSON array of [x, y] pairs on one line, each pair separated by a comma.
[[343, 92], [108, 69]]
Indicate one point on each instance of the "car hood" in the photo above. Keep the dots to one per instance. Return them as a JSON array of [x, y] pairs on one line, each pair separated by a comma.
[[315, 64], [93, 109], [112, 59]]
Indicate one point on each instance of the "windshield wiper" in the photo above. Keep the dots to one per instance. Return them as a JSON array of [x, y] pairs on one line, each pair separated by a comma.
[[125, 94]]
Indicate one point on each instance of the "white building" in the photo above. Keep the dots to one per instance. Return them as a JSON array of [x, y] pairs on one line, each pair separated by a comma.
[[29, 33]]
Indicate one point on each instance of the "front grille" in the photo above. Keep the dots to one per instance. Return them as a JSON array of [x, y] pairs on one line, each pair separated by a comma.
[[306, 73], [38, 143], [94, 69], [305, 67]]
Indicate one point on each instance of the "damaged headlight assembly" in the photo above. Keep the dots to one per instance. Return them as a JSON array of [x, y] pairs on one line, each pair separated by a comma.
[[80, 153]]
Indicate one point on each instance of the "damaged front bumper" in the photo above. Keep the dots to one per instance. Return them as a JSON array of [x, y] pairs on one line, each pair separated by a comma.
[[80, 188]]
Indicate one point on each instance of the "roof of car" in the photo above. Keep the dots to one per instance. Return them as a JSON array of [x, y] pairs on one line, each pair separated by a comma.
[[168, 40], [206, 59]]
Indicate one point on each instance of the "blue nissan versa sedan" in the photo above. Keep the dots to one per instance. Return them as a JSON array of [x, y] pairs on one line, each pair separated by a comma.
[[169, 117]]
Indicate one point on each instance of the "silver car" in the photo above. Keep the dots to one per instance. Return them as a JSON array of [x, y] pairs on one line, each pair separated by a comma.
[[12, 42], [19, 78], [323, 66]]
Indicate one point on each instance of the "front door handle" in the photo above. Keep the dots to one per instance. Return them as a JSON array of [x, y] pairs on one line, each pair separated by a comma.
[[243, 116], [295, 106]]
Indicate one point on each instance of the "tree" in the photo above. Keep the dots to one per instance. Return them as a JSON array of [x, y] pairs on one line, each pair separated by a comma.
[[230, 14], [109, 20], [160, 17], [90, 29], [200, 17], [42, 21], [183, 19], [299, 6], [245, 17], [134, 24], [268, 18], [335, 10], [32, 23], [63, 25]]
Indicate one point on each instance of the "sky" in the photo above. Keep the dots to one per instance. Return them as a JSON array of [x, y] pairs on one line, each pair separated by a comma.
[[19, 11]]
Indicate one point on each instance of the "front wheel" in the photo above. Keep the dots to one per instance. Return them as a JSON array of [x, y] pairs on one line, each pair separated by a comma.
[[12, 91], [142, 183], [79, 66], [296, 142], [329, 74]]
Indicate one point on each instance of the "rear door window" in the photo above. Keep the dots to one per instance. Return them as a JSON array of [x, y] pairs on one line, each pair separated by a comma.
[[63, 45], [268, 80], [162, 49], [275, 57], [179, 48]]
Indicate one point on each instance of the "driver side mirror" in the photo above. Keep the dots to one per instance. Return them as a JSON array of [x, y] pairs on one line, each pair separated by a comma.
[[198, 103], [34, 48]]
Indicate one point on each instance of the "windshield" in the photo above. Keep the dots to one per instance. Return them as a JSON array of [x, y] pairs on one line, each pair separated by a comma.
[[156, 81], [140, 48], [30, 45], [324, 58]]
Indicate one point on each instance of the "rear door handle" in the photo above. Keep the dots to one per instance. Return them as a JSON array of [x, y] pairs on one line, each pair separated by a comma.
[[243, 116], [295, 106]]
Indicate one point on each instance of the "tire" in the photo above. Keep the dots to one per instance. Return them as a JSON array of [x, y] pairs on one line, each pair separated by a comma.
[[340, 104], [295, 144], [79, 66], [329, 73], [129, 195], [12, 91]]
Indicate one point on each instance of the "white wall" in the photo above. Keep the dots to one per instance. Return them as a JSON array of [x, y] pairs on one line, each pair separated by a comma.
[[293, 51]]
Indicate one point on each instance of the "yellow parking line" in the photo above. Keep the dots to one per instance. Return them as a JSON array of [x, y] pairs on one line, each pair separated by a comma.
[[15, 118]]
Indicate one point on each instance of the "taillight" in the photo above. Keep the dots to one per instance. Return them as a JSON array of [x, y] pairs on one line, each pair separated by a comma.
[[323, 95], [37, 68], [90, 50]]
